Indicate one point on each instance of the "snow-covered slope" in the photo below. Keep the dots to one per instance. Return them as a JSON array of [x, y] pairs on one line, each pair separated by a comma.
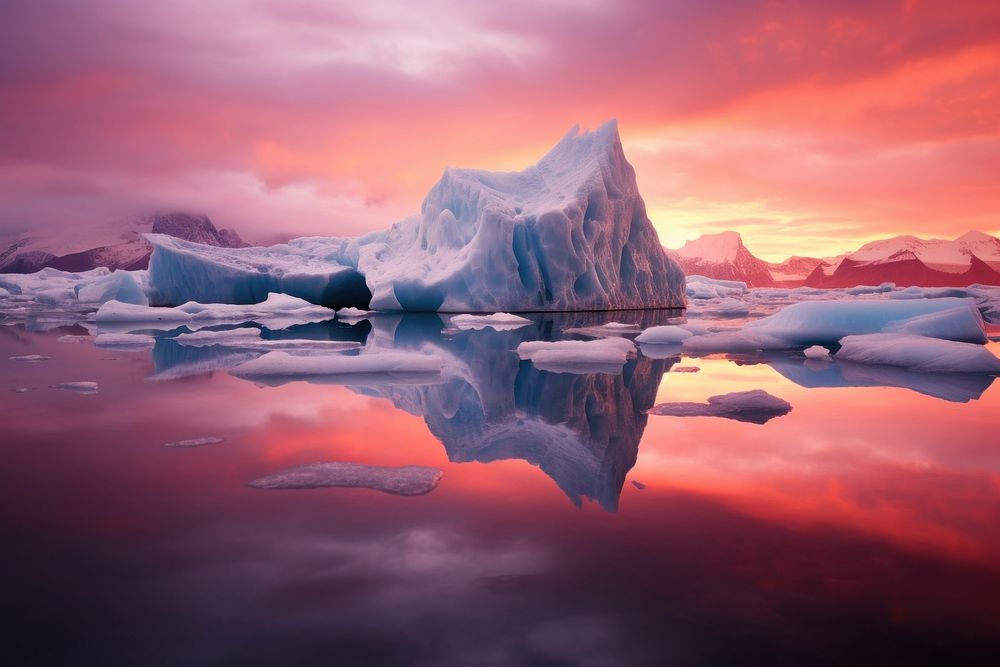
[[569, 233], [115, 245], [794, 270], [971, 258], [723, 256]]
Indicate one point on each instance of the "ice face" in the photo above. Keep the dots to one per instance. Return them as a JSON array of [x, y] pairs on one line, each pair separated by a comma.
[[181, 271], [569, 233], [401, 481], [918, 353]]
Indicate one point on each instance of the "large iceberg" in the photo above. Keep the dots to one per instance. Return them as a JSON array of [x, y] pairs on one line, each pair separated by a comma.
[[569, 233]]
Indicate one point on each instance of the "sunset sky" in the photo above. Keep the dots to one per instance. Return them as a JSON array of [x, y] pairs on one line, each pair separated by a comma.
[[808, 127]]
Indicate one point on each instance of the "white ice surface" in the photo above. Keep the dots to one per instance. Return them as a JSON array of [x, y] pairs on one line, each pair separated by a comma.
[[664, 335], [603, 355], [341, 369], [816, 352], [918, 353], [280, 308]]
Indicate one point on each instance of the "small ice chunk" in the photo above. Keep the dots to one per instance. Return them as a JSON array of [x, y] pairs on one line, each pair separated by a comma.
[[755, 406], [195, 442], [816, 352], [401, 481], [870, 289], [604, 355], [726, 307], [352, 314], [639, 485], [116, 311], [342, 369], [664, 335], [700, 287], [498, 321], [73, 338], [918, 353], [22, 390], [80, 387], [29, 358], [685, 369], [124, 341], [603, 330]]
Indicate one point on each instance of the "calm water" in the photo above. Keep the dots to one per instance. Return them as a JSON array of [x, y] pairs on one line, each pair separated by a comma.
[[569, 526]]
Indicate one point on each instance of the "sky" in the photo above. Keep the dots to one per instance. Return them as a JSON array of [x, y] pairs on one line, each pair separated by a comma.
[[808, 127]]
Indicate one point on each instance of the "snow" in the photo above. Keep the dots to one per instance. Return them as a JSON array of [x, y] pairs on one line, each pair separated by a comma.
[[756, 406], [569, 233], [664, 335], [950, 256], [918, 353], [401, 481], [816, 352], [194, 442], [498, 321], [124, 341], [79, 387], [712, 248], [826, 322], [380, 366], [603, 355], [281, 307]]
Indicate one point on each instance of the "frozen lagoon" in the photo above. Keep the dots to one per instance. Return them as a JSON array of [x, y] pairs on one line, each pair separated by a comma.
[[877, 486]]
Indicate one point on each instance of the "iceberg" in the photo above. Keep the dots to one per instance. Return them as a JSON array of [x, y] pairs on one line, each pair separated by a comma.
[[401, 481], [281, 307], [918, 353], [755, 406], [826, 322], [570, 233]]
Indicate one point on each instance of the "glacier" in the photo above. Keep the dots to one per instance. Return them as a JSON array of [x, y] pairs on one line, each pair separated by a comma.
[[570, 233]]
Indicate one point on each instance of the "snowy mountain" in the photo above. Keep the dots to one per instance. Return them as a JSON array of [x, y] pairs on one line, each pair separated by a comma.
[[569, 233], [971, 258], [723, 256], [115, 245]]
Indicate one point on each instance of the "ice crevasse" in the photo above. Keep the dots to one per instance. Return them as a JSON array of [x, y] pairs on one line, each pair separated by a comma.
[[570, 233]]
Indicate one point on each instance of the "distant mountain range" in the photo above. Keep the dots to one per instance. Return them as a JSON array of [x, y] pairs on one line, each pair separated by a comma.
[[973, 257], [116, 245]]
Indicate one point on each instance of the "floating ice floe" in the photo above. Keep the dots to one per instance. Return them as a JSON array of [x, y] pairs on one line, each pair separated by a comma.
[[725, 307], [603, 355], [124, 341], [194, 442], [401, 481], [249, 338], [603, 330], [700, 287], [54, 287], [685, 369], [29, 358], [664, 335], [870, 289], [497, 321], [816, 352], [23, 390], [80, 387], [73, 338], [826, 322], [280, 308], [918, 353], [279, 367], [570, 233], [756, 406], [352, 314]]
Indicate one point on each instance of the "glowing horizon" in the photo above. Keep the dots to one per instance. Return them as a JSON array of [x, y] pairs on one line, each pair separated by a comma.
[[809, 130]]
